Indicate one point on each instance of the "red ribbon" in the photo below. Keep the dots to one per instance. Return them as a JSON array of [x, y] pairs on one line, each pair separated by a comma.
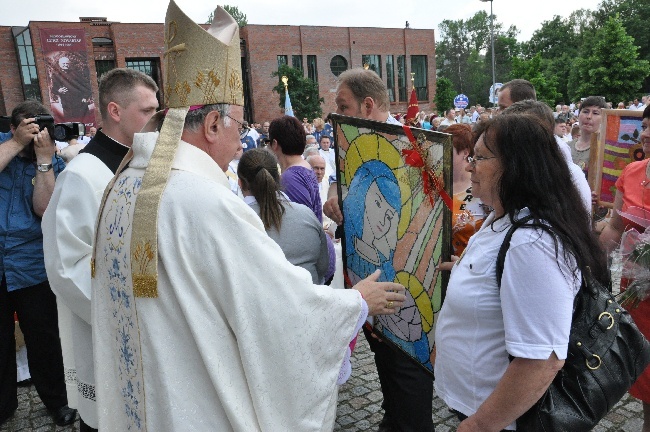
[[430, 181]]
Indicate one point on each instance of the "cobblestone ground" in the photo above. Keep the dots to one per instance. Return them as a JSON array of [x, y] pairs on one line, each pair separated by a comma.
[[359, 407]]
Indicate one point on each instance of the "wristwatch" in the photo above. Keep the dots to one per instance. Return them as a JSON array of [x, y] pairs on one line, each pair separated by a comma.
[[43, 167]]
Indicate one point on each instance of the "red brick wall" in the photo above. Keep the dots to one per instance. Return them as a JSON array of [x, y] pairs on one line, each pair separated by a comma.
[[265, 43]]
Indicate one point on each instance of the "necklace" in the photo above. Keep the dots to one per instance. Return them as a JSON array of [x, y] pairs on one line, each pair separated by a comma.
[[582, 149]]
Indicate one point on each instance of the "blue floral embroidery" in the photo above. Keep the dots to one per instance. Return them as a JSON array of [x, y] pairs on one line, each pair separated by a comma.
[[117, 266]]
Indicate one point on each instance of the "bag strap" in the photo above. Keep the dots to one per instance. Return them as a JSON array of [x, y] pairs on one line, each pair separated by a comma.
[[501, 258]]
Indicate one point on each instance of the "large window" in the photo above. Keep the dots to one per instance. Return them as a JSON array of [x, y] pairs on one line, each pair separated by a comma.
[[31, 89], [401, 77], [312, 68], [103, 66], [296, 62], [419, 67], [338, 65], [390, 77], [149, 66], [373, 61], [282, 60]]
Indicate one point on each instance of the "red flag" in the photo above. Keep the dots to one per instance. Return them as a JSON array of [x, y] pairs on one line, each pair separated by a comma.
[[413, 110]]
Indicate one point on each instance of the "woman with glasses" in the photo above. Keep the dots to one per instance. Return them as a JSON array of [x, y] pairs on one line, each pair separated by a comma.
[[468, 211], [500, 346], [633, 197]]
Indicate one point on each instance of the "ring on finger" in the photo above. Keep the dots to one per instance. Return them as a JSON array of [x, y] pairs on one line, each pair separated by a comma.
[[389, 305]]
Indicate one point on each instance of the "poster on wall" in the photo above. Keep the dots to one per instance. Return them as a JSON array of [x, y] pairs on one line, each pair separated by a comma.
[[68, 76], [618, 144], [395, 193]]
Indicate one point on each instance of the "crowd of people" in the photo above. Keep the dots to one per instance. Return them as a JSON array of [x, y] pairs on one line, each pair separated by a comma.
[[178, 271]]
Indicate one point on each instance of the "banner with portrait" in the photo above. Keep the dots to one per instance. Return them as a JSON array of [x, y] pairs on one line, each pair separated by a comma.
[[68, 75], [617, 145], [395, 193]]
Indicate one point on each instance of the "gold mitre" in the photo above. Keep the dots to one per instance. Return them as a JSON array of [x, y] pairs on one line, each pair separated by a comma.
[[202, 67]]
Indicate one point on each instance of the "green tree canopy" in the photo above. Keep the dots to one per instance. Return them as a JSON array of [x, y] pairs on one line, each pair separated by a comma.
[[531, 70], [302, 91], [234, 11], [463, 54], [445, 94], [609, 65]]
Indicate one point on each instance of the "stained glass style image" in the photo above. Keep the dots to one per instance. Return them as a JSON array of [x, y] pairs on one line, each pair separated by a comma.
[[394, 190]]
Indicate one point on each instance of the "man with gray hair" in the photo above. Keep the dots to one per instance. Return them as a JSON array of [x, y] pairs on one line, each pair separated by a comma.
[[127, 100], [199, 321]]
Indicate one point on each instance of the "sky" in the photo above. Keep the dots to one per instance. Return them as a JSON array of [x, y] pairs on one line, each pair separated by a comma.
[[526, 15]]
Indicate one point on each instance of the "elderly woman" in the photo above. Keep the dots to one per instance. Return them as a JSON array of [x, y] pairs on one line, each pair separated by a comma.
[[499, 347], [293, 226], [633, 195]]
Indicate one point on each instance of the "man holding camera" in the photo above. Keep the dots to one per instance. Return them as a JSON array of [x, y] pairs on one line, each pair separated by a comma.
[[28, 167]]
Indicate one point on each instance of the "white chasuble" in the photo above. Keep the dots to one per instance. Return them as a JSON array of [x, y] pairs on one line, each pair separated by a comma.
[[238, 339]]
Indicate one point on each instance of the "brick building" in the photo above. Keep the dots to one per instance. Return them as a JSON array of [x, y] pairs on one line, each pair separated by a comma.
[[324, 52], [321, 52]]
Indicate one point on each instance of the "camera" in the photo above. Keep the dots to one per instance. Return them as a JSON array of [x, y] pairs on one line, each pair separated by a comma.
[[5, 124], [59, 131]]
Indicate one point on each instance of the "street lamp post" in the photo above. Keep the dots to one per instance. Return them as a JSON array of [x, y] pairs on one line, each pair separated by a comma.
[[460, 76], [494, 80]]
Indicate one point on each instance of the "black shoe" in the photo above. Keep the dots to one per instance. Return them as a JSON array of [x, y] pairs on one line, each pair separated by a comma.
[[63, 416], [5, 417]]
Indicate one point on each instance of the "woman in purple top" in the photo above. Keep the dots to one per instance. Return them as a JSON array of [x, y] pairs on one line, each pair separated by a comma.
[[298, 180], [287, 137]]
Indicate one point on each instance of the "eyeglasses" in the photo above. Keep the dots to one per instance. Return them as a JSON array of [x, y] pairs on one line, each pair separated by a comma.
[[472, 160], [241, 125]]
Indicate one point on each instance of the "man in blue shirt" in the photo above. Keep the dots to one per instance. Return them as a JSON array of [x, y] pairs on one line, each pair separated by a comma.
[[28, 167], [247, 141]]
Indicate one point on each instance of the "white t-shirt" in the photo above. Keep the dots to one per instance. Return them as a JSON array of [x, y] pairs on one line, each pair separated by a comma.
[[577, 175], [480, 325]]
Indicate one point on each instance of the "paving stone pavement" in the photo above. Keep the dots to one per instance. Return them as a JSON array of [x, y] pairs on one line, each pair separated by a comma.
[[359, 406]]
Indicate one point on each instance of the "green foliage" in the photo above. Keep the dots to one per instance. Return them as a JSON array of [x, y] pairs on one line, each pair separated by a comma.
[[464, 54], [445, 94], [609, 65], [302, 91], [531, 70], [234, 11]]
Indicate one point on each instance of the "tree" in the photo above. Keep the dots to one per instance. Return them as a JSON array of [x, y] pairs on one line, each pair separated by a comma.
[[634, 16], [302, 91], [463, 53], [445, 94], [234, 11], [609, 65], [531, 70]]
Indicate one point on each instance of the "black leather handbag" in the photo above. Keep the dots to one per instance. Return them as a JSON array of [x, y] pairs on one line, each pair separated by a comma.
[[606, 355]]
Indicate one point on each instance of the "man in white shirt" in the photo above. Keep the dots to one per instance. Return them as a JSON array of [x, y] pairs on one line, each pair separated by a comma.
[[327, 152], [450, 118]]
